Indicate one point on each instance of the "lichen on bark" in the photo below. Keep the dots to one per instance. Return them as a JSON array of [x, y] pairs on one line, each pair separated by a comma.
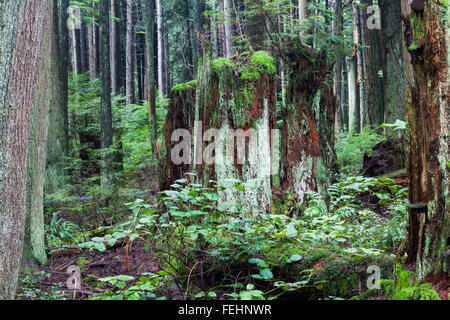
[[227, 101]]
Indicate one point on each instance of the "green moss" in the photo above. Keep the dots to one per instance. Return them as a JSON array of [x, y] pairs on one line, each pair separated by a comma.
[[260, 62], [249, 73], [262, 59], [342, 275], [419, 29], [221, 62], [185, 86]]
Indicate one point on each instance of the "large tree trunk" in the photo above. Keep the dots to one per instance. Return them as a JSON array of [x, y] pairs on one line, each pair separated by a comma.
[[21, 38], [46, 94], [57, 144], [393, 66], [300, 148], [428, 112], [373, 111], [227, 102], [180, 115]]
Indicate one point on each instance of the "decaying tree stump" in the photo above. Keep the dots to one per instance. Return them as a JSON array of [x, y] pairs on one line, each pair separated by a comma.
[[180, 115]]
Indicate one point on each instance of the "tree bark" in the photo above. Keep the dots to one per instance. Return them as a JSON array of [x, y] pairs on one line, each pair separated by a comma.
[[373, 111], [57, 135], [227, 102], [300, 147], [115, 56], [130, 86], [150, 28], [46, 94], [63, 53], [393, 66], [428, 112], [107, 177], [228, 23], [21, 37], [159, 28], [180, 115]]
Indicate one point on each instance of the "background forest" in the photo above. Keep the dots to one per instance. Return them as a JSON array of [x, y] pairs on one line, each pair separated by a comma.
[[349, 102]]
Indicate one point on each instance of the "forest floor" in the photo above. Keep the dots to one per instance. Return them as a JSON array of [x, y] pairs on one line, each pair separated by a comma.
[[136, 258], [371, 208]]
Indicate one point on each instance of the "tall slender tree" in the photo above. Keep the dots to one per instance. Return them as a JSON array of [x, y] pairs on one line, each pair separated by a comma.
[[107, 181], [228, 23], [130, 79], [63, 53], [150, 32]]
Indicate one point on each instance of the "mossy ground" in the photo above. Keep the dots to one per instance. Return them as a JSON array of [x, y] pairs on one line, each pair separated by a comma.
[[342, 275]]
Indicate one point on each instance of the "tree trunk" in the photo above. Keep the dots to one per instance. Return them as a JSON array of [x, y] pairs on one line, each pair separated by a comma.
[[114, 44], [226, 101], [92, 55], [428, 112], [214, 31], [21, 37], [394, 79], [76, 51], [63, 53], [338, 67], [150, 28], [46, 94], [130, 87], [57, 144], [373, 112], [353, 95], [228, 23], [354, 73], [180, 115], [166, 64], [107, 178], [159, 29], [198, 24], [83, 48], [300, 147]]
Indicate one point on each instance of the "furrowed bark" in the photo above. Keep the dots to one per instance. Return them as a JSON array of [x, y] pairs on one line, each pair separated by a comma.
[[21, 37], [46, 93], [393, 66], [107, 171], [428, 111]]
